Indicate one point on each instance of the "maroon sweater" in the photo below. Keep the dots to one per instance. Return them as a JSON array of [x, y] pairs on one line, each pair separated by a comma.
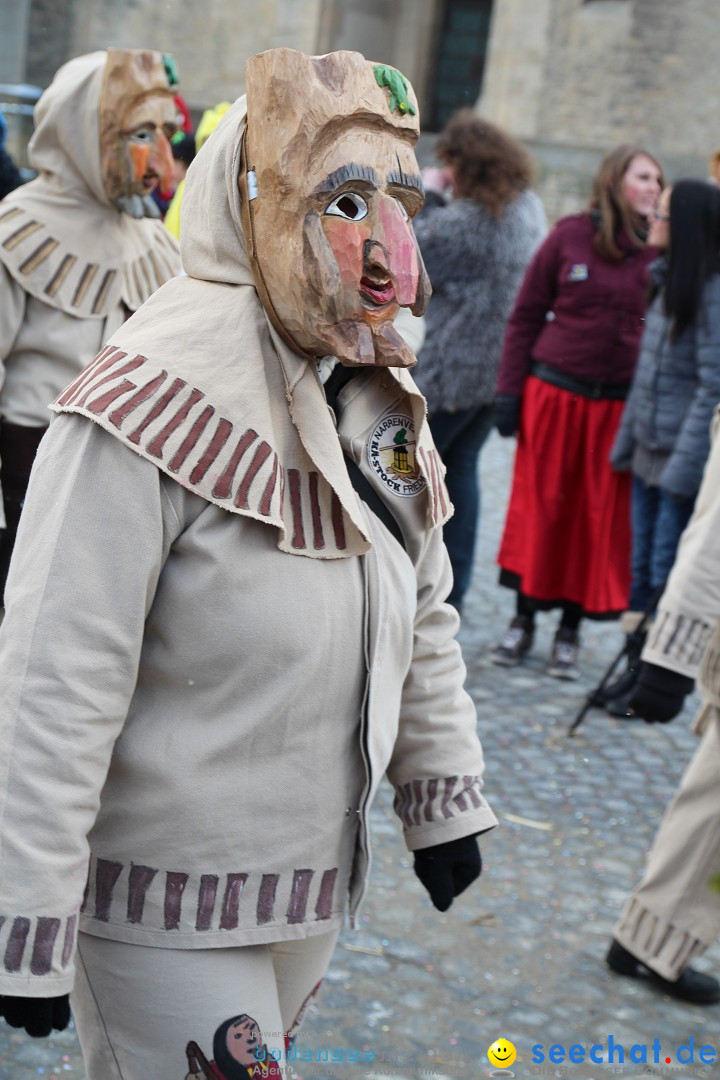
[[577, 312]]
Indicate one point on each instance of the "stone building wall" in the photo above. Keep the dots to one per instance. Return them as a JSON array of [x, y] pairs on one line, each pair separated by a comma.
[[513, 85], [16, 98], [574, 78], [49, 39], [14, 25], [211, 40], [570, 77], [398, 32]]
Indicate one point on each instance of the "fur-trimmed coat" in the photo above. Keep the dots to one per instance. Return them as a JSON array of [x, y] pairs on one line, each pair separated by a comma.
[[476, 264]]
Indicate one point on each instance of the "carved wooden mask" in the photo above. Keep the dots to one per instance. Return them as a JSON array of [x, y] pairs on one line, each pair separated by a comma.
[[137, 119], [329, 185]]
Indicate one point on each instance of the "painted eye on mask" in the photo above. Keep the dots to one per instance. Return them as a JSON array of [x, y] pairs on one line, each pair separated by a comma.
[[142, 136], [349, 205]]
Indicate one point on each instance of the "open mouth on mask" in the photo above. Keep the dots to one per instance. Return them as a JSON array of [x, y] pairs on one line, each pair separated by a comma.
[[378, 293]]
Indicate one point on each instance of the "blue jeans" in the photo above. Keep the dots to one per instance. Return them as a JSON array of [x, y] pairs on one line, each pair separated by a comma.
[[459, 437], [658, 520]]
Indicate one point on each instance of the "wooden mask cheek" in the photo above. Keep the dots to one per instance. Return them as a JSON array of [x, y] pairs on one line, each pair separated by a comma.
[[325, 287], [295, 271], [125, 163], [386, 233], [345, 244]]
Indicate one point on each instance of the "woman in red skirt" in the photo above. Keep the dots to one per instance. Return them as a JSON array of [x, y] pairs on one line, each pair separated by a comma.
[[567, 363]]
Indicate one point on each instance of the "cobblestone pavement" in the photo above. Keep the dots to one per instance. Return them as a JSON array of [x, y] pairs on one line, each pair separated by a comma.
[[520, 954]]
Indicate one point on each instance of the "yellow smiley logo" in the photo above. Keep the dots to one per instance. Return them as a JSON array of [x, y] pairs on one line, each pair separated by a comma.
[[502, 1053]]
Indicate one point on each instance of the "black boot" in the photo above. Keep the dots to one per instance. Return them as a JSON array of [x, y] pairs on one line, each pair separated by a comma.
[[625, 682], [691, 985]]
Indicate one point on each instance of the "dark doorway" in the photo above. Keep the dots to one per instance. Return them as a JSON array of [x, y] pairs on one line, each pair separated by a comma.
[[460, 58]]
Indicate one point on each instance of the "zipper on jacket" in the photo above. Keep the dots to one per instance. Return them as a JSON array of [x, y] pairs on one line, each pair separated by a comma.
[[362, 838]]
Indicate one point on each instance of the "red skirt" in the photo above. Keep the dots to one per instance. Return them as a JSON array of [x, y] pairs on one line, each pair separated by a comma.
[[567, 532]]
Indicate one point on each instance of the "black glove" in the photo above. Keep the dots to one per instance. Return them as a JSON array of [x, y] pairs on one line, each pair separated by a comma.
[[39, 1016], [659, 694], [506, 414], [447, 869]]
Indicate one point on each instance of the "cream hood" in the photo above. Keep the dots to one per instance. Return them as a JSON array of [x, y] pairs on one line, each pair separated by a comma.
[[212, 242]]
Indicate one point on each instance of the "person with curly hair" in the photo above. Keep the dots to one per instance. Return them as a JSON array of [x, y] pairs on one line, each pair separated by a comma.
[[478, 231], [568, 359]]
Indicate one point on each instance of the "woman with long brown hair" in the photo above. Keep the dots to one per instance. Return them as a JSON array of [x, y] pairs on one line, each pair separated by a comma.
[[567, 363]]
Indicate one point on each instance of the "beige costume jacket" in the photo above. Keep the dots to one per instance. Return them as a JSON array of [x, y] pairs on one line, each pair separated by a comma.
[[685, 636], [213, 651]]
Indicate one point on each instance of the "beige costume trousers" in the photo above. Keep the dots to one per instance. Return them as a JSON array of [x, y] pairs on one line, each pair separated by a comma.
[[193, 1014], [674, 915]]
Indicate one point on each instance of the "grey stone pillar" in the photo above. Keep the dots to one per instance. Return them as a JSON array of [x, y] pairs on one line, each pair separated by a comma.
[[14, 25]]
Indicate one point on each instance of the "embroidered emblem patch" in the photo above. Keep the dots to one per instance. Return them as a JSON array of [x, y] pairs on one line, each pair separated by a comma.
[[578, 272], [391, 455]]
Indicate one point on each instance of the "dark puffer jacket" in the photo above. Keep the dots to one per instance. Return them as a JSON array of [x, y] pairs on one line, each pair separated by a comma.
[[674, 393], [476, 264]]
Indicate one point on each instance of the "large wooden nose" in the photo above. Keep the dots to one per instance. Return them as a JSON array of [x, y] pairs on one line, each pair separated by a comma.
[[395, 234]]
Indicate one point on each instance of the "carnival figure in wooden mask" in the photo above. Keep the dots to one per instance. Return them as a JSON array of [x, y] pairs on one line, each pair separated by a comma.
[[137, 120], [264, 505], [329, 184]]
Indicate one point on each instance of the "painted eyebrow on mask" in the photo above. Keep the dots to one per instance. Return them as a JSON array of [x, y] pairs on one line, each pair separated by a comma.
[[351, 171], [408, 180]]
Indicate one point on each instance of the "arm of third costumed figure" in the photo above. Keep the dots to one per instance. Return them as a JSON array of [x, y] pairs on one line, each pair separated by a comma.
[[685, 630]]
